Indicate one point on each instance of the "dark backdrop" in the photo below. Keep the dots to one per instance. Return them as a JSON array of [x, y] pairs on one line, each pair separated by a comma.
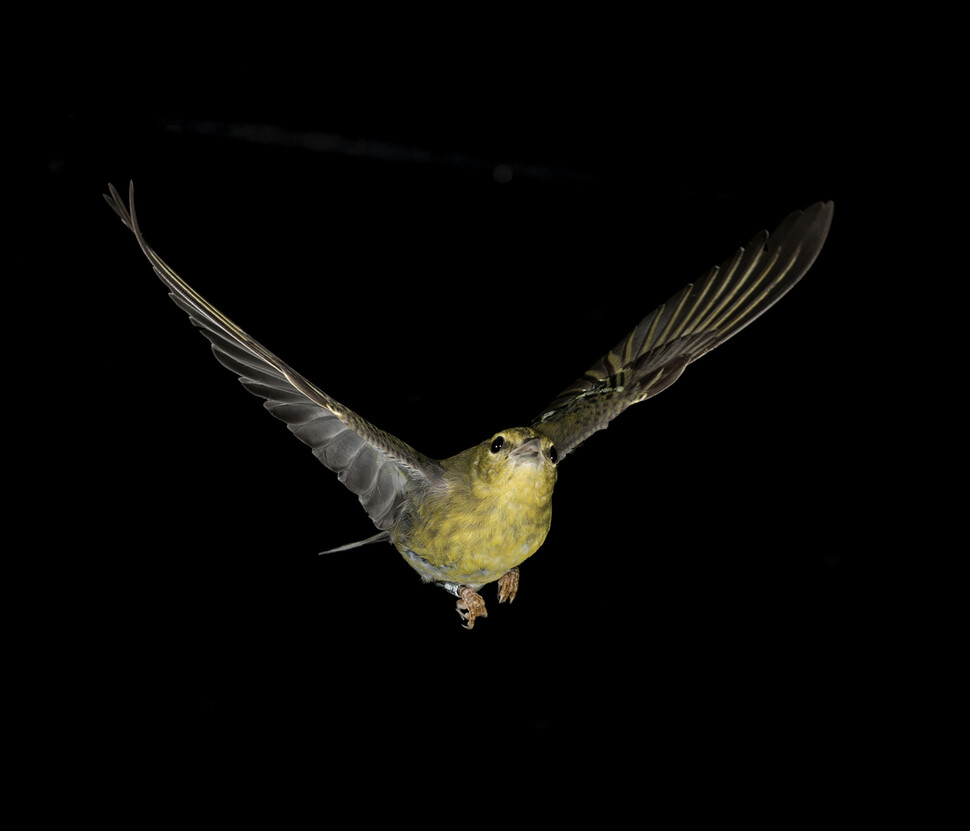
[[443, 259]]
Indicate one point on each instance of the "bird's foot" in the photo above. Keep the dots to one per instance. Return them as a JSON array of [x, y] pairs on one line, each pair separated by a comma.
[[470, 606], [508, 585]]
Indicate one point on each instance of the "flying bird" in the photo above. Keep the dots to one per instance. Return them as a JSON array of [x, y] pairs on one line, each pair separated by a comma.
[[474, 518]]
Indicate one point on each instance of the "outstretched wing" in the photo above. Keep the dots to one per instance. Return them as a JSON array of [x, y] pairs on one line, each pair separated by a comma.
[[372, 463], [695, 320]]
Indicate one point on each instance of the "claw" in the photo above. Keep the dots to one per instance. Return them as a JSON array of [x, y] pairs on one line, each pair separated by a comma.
[[508, 585], [470, 606]]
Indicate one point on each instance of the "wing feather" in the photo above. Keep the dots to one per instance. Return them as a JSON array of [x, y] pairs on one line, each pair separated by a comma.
[[694, 321], [370, 462]]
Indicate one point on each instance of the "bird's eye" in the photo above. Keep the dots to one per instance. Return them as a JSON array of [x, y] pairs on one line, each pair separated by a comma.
[[553, 454], [497, 444]]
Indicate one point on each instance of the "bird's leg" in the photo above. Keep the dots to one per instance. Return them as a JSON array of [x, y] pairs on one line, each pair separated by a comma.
[[508, 585], [470, 605]]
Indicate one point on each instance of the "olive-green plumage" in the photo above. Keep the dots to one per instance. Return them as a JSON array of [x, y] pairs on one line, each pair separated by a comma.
[[472, 519], [450, 534]]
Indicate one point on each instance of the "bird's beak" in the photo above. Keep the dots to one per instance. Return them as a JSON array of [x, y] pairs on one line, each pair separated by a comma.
[[530, 449]]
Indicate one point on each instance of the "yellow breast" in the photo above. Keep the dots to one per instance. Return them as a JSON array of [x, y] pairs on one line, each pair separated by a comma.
[[490, 517]]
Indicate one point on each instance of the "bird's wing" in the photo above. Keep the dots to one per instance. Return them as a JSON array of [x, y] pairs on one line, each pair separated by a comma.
[[370, 462], [695, 320]]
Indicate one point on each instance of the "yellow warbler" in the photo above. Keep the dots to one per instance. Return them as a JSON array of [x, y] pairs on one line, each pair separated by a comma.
[[472, 519]]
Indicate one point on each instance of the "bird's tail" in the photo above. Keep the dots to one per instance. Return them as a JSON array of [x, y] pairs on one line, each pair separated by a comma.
[[381, 537]]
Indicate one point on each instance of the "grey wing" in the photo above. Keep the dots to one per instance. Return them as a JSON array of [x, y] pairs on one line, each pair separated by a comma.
[[370, 462], [695, 320]]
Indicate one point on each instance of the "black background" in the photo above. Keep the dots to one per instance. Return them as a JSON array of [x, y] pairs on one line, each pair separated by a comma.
[[443, 249]]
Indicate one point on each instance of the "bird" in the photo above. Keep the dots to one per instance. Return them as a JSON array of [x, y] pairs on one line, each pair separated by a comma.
[[472, 519]]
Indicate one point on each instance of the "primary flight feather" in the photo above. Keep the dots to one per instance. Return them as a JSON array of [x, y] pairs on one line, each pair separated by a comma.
[[473, 518]]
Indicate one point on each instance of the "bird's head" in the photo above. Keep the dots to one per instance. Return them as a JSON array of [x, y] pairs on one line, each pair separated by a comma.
[[517, 457]]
